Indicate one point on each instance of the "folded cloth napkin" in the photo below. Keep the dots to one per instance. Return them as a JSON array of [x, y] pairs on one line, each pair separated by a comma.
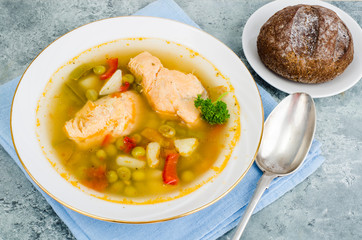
[[209, 223]]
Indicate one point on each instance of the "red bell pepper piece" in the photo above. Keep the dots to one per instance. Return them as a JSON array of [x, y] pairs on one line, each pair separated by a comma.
[[124, 87], [170, 171], [129, 144], [113, 65]]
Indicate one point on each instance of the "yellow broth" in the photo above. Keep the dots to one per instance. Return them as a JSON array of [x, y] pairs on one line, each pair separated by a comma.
[[98, 173]]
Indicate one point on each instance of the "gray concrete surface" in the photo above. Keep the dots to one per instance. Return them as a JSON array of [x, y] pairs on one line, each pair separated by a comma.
[[325, 206]]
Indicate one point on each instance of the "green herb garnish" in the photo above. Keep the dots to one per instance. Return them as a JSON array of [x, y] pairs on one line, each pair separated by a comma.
[[213, 112]]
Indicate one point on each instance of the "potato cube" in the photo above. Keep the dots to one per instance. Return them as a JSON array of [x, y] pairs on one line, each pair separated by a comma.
[[185, 147]]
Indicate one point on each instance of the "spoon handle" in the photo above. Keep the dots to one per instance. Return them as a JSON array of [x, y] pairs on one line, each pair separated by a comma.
[[262, 185]]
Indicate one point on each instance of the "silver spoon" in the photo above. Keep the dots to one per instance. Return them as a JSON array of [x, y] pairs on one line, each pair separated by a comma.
[[288, 134]]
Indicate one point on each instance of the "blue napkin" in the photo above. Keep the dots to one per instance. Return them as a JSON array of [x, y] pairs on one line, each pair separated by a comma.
[[209, 223]]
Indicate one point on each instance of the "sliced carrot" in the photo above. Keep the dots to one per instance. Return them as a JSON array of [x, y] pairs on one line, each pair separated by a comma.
[[106, 140], [96, 178]]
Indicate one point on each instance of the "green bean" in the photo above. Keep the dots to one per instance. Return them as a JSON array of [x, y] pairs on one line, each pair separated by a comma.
[[138, 175], [80, 71], [128, 78], [124, 173], [167, 131], [91, 94], [111, 176], [74, 88], [138, 152], [100, 69]]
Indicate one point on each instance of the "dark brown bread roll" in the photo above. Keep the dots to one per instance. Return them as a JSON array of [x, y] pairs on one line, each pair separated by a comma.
[[303, 43]]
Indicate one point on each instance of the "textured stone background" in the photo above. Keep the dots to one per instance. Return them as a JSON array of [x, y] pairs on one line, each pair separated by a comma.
[[325, 206]]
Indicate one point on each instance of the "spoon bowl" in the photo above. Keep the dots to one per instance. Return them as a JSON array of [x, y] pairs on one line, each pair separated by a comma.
[[287, 137]]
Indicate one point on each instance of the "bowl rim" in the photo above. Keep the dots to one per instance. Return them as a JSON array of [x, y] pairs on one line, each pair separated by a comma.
[[137, 222]]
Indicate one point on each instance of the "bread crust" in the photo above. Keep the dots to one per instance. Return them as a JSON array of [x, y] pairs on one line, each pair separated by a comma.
[[304, 43]]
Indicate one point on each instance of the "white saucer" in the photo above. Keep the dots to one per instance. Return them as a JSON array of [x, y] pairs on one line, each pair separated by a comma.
[[346, 80]]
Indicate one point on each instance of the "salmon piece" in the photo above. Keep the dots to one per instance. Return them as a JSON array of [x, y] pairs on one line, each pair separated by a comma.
[[113, 116], [145, 67], [168, 91]]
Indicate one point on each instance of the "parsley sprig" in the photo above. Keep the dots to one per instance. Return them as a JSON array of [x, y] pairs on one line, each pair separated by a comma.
[[213, 112]]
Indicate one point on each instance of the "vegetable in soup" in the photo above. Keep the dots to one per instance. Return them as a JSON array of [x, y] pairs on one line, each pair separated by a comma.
[[135, 128]]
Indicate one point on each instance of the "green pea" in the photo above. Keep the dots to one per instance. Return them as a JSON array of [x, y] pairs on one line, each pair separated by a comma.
[[117, 187], [100, 69], [111, 150], [138, 175], [187, 176], [124, 173], [101, 154], [91, 94], [128, 78], [138, 152], [111, 176], [130, 191], [167, 131], [120, 143]]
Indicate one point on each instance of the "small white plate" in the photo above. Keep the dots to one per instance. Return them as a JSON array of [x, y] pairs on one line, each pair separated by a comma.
[[341, 83]]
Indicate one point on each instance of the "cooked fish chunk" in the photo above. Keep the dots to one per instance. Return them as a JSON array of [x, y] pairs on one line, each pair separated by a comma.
[[145, 67], [111, 115], [168, 91]]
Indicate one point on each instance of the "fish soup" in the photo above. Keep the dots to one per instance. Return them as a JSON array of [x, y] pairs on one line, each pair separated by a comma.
[[125, 121]]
